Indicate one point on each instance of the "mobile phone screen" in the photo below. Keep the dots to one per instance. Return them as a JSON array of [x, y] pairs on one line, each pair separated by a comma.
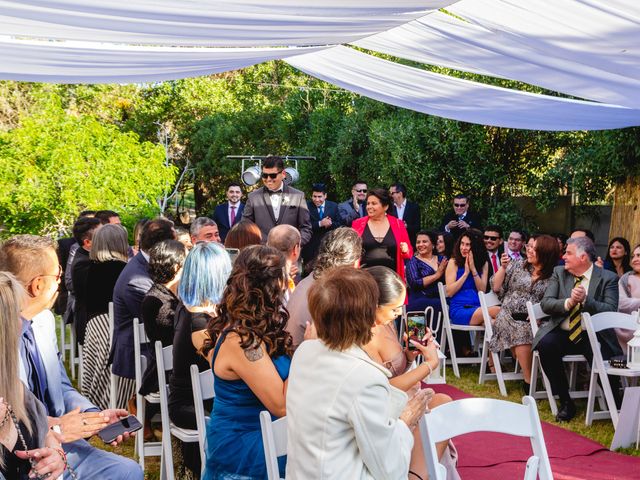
[[128, 424], [415, 328]]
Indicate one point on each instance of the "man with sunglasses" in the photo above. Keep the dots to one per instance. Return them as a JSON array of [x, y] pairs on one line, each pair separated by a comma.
[[277, 203], [354, 207], [461, 218], [493, 243]]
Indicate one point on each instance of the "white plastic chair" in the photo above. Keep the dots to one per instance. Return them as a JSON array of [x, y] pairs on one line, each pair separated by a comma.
[[274, 439], [600, 367], [164, 362], [491, 300], [143, 449], [485, 415], [447, 334], [535, 314], [202, 383]]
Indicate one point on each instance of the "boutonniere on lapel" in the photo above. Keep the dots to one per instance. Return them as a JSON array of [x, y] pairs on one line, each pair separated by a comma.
[[285, 200]]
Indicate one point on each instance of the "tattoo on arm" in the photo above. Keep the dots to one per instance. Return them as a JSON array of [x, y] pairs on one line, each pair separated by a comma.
[[254, 353]]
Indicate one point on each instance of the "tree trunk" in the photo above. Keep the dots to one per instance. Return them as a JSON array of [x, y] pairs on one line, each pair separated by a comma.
[[625, 217]]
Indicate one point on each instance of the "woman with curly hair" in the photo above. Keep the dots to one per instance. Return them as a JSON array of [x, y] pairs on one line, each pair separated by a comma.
[[250, 354]]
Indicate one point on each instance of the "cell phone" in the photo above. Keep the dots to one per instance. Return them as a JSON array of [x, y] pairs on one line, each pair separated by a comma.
[[128, 424], [416, 329], [233, 253]]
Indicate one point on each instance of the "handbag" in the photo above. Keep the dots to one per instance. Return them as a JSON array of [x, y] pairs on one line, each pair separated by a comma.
[[520, 316]]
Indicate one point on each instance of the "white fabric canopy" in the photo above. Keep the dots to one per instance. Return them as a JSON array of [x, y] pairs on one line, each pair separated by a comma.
[[455, 98], [66, 62], [230, 23], [443, 40]]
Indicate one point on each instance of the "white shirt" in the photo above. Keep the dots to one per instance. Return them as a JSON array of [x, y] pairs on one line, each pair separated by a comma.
[[400, 209], [276, 202], [584, 283]]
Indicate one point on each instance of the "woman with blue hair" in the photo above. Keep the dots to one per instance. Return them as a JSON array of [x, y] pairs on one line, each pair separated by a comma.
[[204, 276], [250, 354]]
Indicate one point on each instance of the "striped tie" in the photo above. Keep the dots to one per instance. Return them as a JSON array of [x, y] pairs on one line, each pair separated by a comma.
[[575, 326]]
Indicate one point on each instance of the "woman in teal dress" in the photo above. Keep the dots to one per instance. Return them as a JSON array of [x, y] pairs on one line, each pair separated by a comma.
[[466, 275], [250, 354]]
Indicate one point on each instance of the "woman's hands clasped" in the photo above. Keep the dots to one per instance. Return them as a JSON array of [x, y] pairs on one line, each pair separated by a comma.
[[416, 407]]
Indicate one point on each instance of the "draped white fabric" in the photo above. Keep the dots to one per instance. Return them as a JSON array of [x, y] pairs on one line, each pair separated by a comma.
[[443, 40], [458, 99], [66, 62], [229, 23]]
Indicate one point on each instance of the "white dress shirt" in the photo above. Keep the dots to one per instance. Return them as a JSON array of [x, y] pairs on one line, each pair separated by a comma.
[[276, 202], [400, 209]]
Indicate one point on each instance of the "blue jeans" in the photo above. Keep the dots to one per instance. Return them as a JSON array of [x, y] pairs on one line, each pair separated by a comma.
[[91, 462]]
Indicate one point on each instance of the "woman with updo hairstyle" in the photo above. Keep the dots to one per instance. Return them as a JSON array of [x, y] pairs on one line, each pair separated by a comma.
[[108, 258], [344, 418], [250, 354], [243, 234], [158, 309], [385, 240]]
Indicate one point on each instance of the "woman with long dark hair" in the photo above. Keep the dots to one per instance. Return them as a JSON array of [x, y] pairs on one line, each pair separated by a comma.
[[516, 282], [618, 258], [250, 355], [466, 275]]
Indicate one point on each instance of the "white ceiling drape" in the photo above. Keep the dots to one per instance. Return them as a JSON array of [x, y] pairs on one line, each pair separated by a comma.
[[443, 40], [455, 98], [230, 23], [66, 62]]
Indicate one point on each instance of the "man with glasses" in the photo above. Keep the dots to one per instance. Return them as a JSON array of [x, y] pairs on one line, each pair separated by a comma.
[[408, 212], [354, 207], [461, 218], [493, 243], [34, 262], [276, 203], [515, 244]]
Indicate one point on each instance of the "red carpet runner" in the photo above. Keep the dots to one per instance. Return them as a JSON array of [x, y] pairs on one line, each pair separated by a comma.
[[492, 456]]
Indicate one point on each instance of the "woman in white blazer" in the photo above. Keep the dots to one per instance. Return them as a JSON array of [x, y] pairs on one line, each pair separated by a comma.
[[344, 419]]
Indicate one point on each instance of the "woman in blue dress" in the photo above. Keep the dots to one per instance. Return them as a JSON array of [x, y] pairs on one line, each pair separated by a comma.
[[424, 271], [466, 275], [250, 354]]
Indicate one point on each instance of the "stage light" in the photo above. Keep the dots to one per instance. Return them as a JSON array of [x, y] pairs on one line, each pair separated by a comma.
[[291, 175], [251, 175]]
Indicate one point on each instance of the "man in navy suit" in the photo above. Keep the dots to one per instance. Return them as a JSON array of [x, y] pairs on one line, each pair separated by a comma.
[[461, 218], [324, 218], [34, 262], [227, 214], [132, 285], [407, 211]]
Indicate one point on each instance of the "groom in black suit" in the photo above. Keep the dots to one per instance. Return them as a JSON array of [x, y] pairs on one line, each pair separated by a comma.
[[227, 214], [575, 287], [277, 203]]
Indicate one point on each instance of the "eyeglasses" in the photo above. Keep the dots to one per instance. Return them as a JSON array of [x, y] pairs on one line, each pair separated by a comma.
[[459, 205], [362, 190], [491, 237], [272, 176], [57, 276]]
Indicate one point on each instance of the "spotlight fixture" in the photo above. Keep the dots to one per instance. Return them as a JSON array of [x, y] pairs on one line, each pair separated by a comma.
[[251, 175], [291, 175]]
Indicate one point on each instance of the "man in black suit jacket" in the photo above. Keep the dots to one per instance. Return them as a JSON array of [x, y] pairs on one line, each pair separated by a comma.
[[577, 286], [405, 210], [324, 217], [461, 218], [227, 214], [493, 242], [277, 203]]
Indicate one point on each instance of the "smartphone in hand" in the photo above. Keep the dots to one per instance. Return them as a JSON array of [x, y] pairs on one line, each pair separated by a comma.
[[416, 329], [128, 424]]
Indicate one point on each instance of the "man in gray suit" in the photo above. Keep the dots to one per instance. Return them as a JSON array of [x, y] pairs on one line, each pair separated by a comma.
[[276, 203], [577, 286]]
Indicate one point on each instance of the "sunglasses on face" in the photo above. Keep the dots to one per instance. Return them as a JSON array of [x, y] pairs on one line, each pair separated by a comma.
[[272, 176], [491, 237], [363, 190], [459, 205]]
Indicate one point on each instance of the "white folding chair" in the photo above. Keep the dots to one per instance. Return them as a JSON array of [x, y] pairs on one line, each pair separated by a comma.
[[164, 361], [113, 379], [202, 383], [447, 335], [572, 361], [63, 346], [143, 449], [485, 415], [601, 368], [491, 300], [274, 439], [74, 354]]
